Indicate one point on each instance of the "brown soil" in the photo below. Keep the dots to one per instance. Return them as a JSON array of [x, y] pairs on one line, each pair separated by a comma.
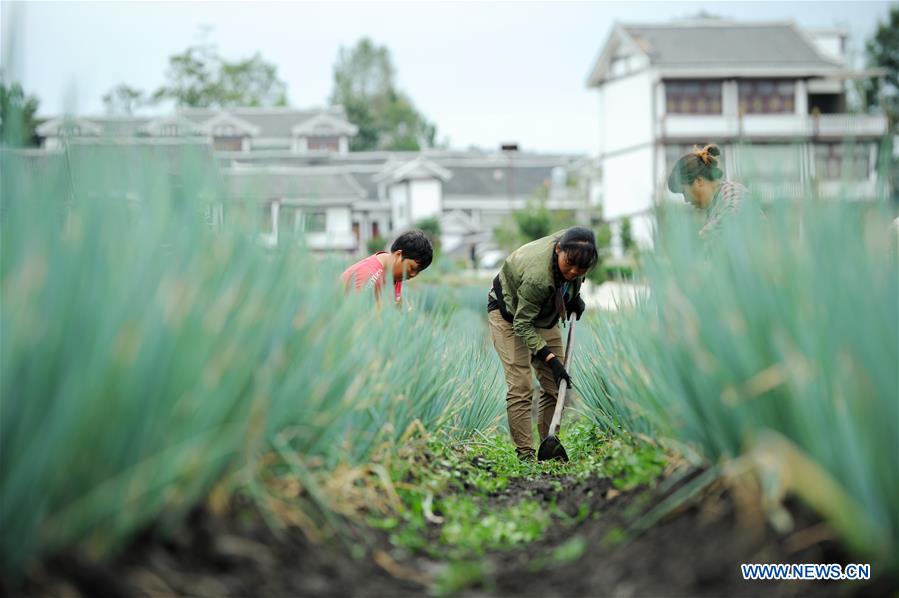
[[694, 552]]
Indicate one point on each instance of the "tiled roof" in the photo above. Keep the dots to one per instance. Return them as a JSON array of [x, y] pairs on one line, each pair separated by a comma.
[[324, 184], [496, 180], [715, 43], [272, 122]]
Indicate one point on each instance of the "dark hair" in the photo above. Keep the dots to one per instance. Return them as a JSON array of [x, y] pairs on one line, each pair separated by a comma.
[[415, 245], [579, 245], [698, 163]]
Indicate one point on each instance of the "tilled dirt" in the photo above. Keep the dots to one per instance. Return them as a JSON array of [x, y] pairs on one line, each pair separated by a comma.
[[694, 552]]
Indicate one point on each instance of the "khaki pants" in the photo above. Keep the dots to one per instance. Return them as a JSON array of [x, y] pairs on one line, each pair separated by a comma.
[[516, 359]]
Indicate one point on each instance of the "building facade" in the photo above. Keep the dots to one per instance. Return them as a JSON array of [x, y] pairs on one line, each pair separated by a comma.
[[772, 96], [293, 170], [234, 130], [384, 193]]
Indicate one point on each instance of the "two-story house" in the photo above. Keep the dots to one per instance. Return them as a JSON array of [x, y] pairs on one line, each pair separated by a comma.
[[772, 96]]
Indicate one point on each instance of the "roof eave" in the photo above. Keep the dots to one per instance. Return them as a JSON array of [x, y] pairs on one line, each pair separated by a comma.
[[675, 72], [598, 73]]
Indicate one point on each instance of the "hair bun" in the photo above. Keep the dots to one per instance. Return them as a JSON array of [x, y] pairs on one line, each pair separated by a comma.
[[709, 154]]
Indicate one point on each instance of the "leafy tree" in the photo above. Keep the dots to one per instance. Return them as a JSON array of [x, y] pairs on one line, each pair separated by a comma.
[[364, 85], [360, 114], [431, 228], [365, 71], [627, 238], [251, 82], [530, 223], [883, 51], [18, 112], [200, 77], [600, 273], [533, 222], [603, 237], [376, 244], [191, 78], [123, 99]]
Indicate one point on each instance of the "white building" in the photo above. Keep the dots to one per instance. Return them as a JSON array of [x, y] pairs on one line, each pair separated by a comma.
[[295, 168], [229, 130], [313, 205], [772, 96], [384, 193]]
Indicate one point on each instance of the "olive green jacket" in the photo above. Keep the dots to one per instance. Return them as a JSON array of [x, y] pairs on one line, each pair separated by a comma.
[[529, 289]]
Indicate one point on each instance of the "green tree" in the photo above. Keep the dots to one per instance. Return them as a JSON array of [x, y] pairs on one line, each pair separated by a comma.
[[123, 99], [599, 274], [883, 51], [533, 222], [527, 224], [627, 237], [18, 121], [251, 82], [376, 244], [200, 77], [387, 118], [431, 228]]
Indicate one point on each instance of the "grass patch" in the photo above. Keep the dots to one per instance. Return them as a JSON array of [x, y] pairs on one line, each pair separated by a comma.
[[458, 503]]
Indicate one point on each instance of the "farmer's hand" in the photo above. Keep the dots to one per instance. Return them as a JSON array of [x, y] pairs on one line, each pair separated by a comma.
[[576, 306], [559, 372]]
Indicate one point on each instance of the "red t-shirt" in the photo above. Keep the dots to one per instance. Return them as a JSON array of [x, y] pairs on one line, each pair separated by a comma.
[[370, 274]]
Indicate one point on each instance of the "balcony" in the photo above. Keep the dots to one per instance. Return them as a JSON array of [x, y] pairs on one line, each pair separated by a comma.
[[771, 126]]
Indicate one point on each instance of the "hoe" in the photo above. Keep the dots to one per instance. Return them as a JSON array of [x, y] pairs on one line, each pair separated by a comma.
[[550, 447]]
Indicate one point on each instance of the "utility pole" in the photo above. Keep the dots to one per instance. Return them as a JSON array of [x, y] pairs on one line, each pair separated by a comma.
[[509, 149]]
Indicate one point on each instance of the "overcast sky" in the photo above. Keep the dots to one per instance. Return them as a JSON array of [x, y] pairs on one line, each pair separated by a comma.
[[484, 72]]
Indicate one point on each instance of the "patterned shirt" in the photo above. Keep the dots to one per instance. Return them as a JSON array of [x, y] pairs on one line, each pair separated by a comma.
[[727, 200]]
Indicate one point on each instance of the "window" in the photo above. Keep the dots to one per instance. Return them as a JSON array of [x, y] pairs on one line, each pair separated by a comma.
[[330, 144], [766, 96], [292, 221], [228, 144], [693, 97], [314, 222], [835, 161], [826, 103]]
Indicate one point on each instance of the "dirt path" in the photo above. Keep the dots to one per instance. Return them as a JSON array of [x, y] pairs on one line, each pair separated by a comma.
[[586, 551]]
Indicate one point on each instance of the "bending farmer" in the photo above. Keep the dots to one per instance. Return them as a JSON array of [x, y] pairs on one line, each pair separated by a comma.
[[410, 253], [698, 176], [537, 284]]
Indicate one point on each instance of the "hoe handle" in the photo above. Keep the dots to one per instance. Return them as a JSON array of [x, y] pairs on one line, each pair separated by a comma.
[[563, 385]]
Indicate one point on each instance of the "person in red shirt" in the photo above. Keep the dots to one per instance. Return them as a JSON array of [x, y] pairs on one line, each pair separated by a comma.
[[410, 253]]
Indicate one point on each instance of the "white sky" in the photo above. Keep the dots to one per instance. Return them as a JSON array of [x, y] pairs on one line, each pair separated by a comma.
[[484, 72]]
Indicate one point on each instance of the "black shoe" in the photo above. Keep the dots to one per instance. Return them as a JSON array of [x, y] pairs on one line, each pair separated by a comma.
[[527, 456]]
